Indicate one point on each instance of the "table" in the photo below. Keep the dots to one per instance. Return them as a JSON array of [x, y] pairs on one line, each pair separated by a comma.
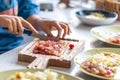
[[9, 59]]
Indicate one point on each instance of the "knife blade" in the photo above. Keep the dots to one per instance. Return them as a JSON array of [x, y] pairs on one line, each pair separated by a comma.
[[43, 37], [40, 35]]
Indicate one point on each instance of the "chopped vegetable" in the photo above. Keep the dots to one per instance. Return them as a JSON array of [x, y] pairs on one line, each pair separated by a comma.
[[71, 46]]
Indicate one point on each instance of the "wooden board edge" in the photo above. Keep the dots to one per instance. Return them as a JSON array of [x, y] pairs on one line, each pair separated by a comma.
[[26, 58], [59, 63]]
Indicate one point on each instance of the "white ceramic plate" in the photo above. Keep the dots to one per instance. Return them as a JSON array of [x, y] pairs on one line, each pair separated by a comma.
[[6, 74], [84, 55], [104, 32]]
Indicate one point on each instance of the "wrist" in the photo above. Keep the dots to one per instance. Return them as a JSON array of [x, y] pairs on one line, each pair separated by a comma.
[[3, 20], [34, 20]]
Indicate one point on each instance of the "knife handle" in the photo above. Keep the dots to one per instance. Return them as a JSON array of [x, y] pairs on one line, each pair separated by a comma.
[[27, 31]]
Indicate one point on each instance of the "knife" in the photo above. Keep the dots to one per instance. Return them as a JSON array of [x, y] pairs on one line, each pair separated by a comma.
[[42, 36]]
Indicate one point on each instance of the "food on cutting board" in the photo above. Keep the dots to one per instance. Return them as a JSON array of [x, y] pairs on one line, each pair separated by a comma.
[[37, 75], [104, 64], [49, 47], [71, 46]]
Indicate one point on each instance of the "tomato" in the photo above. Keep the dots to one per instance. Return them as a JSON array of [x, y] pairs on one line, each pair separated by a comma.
[[71, 46]]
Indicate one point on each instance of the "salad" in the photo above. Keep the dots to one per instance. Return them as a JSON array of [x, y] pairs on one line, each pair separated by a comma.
[[38, 75], [96, 15], [104, 64]]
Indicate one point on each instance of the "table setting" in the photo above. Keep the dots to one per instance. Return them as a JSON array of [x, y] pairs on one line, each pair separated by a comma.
[[91, 52]]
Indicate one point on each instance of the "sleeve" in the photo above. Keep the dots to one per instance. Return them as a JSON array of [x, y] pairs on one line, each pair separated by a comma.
[[27, 8]]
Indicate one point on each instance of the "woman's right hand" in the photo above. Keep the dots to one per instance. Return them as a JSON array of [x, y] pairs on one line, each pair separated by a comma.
[[15, 24]]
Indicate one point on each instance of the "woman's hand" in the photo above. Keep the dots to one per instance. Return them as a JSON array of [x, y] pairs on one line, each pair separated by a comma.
[[49, 25], [15, 24]]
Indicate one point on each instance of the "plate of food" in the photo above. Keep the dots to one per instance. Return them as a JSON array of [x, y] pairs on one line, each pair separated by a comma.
[[102, 63], [96, 17], [109, 34], [35, 74]]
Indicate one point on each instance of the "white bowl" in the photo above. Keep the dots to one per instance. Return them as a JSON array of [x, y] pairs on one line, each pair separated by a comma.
[[110, 17]]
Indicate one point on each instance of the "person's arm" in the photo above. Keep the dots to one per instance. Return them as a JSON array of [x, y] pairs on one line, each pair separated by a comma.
[[48, 25], [15, 24], [29, 10]]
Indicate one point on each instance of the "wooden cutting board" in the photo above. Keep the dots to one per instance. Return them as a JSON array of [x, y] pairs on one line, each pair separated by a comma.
[[40, 61]]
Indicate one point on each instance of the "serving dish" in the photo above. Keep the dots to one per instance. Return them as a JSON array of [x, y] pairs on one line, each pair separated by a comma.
[[6, 74], [103, 33], [80, 58], [96, 17]]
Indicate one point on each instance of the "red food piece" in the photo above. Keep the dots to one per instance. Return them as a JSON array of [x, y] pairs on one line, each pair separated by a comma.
[[71, 46], [115, 39]]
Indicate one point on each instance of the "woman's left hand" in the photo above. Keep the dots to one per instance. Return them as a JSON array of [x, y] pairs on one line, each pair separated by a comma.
[[49, 25]]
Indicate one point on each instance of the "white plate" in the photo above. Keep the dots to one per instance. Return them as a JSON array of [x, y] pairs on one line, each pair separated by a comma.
[[84, 55], [6, 74], [104, 32]]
